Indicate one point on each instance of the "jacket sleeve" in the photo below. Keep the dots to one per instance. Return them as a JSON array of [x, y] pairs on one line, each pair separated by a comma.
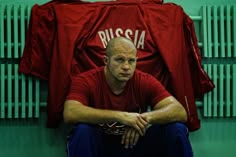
[[200, 79], [39, 40], [174, 35]]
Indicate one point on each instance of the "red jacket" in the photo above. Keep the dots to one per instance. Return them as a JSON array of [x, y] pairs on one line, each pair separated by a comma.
[[68, 38]]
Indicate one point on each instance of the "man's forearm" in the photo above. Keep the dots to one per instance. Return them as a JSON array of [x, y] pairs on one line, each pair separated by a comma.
[[170, 113], [75, 112]]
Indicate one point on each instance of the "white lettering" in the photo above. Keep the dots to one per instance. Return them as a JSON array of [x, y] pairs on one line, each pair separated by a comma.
[[107, 34], [141, 40], [119, 31], [111, 33], [137, 36], [103, 38], [128, 32]]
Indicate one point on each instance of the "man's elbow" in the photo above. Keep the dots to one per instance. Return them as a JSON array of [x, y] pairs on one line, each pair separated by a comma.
[[67, 117], [183, 115]]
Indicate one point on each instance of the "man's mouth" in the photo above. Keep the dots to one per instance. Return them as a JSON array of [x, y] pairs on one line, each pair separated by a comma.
[[125, 74]]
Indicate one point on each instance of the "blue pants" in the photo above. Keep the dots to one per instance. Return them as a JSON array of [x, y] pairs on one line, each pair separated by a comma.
[[170, 140]]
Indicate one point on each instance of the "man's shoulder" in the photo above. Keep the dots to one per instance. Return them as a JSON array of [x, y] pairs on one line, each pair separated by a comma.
[[143, 78], [92, 72], [141, 74], [90, 75]]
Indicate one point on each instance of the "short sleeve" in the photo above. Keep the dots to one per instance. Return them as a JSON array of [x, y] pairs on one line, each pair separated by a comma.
[[79, 90], [156, 91]]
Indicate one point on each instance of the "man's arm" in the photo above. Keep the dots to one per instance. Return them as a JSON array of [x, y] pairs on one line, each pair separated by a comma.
[[75, 112], [166, 111]]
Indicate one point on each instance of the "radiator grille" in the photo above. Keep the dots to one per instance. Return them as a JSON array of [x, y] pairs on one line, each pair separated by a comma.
[[219, 23], [219, 53], [19, 97], [221, 102]]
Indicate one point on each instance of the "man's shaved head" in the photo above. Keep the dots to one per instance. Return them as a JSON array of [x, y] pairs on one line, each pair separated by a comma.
[[117, 44]]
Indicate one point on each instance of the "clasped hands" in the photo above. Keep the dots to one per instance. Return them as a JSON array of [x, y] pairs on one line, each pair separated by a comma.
[[136, 126]]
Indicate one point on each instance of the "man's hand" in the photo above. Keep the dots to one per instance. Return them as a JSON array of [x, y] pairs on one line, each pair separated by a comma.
[[136, 121], [130, 137]]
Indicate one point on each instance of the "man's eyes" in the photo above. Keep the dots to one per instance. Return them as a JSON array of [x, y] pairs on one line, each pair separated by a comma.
[[132, 60], [122, 60]]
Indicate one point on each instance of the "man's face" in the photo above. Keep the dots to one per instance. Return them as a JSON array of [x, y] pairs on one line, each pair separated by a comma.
[[122, 62]]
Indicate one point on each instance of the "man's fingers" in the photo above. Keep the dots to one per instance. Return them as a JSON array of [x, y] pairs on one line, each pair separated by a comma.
[[142, 124], [124, 137], [143, 120], [135, 139], [138, 122], [139, 129], [127, 139], [130, 138]]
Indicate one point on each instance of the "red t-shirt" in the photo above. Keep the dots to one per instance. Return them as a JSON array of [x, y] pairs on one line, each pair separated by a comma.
[[90, 88]]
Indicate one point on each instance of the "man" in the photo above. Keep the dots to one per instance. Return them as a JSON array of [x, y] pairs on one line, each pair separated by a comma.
[[109, 106]]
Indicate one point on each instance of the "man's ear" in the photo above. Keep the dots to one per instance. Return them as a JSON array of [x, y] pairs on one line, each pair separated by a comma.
[[105, 59]]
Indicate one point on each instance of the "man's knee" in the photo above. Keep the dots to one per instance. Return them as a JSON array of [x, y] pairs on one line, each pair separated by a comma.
[[170, 139], [83, 129], [177, 129], [171, 129], [178, 141], [83, 141]]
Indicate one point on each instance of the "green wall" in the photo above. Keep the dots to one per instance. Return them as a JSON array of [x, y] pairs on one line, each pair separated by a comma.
[[26, 138], [190, 6]]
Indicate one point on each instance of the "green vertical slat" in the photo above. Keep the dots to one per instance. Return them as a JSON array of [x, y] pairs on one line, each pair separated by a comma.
[[2, 8], [209, 33], [2, 66], [16, 89], [9, 91], [2, 76], [9, 42], [37, 98], [16, 55], [30, 98], [15, 25], [228, 31], [30, 80], [227, 92], [22, 30], [28, 14], [215, 96], [9, 55], [22, 43], [204, 23], [205, 96], [221, 90], [215, 27], [209, 103], [234, 31], [234, 90], [23, 96], [222, 32]]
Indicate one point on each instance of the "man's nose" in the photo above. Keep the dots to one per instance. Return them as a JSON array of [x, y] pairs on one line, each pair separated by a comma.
[[126, 65]]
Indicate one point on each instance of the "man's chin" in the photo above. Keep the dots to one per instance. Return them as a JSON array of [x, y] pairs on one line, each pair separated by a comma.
[[124, 79]]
